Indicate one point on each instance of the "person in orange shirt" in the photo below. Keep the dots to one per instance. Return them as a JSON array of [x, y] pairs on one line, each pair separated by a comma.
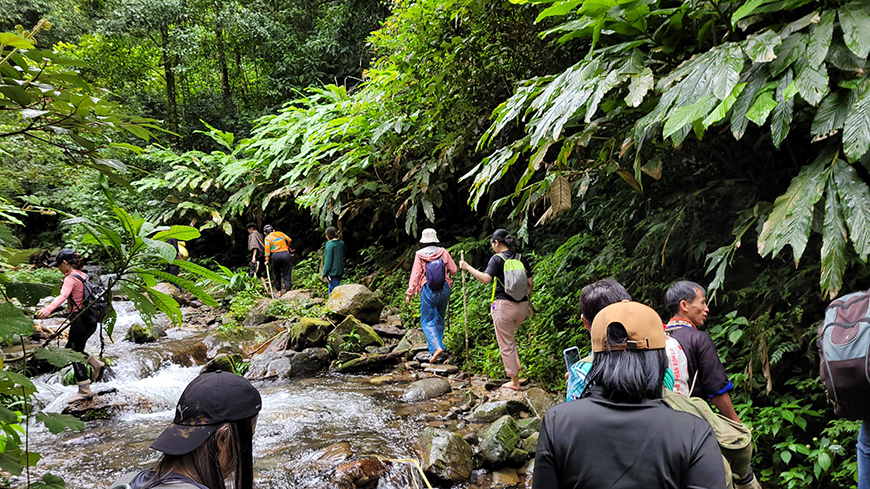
[[277, 246]]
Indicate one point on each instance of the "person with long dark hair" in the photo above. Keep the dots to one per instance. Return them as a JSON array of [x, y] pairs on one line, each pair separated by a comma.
[[510, 298], [209, 441], [72, 292], [621, 433]]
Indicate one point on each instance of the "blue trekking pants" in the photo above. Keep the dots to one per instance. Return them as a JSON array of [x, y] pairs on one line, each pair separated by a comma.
[[864, 457], [333, 283], [433, 314]]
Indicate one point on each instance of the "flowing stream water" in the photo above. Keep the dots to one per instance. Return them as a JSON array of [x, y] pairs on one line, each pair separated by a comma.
[[298, 418]]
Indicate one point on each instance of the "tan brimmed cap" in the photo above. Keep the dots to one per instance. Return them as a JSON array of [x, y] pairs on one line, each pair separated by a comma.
[[642, 324]]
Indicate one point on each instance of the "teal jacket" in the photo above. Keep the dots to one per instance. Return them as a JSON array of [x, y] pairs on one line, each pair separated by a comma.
[[333, 258]]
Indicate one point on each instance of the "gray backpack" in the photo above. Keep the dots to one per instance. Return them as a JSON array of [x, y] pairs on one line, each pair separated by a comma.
[[516, 281], [844, 354]]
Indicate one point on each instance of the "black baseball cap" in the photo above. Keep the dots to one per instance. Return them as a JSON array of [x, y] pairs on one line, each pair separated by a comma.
[[64, 254], [209, 401]]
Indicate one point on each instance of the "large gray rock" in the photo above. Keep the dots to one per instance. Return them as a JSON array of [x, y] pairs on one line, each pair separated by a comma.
[[538, 400], [499, 441], [308, 333], [426, 389], [493, 410], [352, 335], [446, 455], [355, 300], [413, 338], [298, 297], [257, 315], [287, 363], [141, 333]]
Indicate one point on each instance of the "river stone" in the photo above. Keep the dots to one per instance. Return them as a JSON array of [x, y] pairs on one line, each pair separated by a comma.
[[287, 363], [140, 333], [446, 455], [440, 369], [530, 444], [257, 315], [222, 362], [355, 300], [106, 404], [309, 332], [499, 441], [538, 400], [493, 410], [388, 330], [413, 338], [367, 335], [505, 478], [347, 356], [332, 455], [298, 297], [529, 426], [426, 389], [360, 473]]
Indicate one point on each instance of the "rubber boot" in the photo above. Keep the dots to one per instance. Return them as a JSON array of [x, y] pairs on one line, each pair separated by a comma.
[[83, 393], [750, 484], [98, 367]]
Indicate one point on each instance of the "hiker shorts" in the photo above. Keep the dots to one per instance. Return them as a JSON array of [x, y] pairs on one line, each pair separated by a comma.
[[507, 317]]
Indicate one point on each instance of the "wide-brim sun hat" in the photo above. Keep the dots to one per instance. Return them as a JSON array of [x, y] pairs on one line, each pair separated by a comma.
[[429, 236], [208, 402]]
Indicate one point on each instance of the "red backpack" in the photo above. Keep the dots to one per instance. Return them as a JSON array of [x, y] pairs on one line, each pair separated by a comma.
[[844, 344]]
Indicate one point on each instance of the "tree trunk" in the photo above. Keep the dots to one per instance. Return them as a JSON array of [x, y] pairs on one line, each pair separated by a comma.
[[225, 76], [169, 74]]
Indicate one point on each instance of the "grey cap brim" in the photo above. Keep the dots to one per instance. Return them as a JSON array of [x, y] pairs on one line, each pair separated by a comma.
[[180, 439]]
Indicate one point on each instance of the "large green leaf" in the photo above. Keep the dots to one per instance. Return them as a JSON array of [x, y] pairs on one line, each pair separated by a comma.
[[56, 422], [201, 271], [762, 107], [166, 304], [833, 244], [59, 357], [856, 129], [162, 248], [855, 198], [812, 83], [14, 40], [831, 115], [187, 285], [820, 40], [689, 114], [147, 310], [15, 384], [13, 321], [855, 22], [790, 219], [760, 47], [181, 233], [640, 84], [780, 122], [49, 481], [10, 464]]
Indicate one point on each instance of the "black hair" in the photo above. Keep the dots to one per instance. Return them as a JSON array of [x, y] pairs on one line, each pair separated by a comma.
[[268, 229], [251, 225], [205, 459], [503, 237], [684, 290], [76, 261], [596, 296], [331, 232], [628, 375]]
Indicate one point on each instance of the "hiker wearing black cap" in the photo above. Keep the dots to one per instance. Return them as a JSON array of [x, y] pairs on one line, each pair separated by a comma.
[[621, 433], [209, 440], [72, 291]]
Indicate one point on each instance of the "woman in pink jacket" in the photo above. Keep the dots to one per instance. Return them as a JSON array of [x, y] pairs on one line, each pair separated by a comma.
[[431, 277]]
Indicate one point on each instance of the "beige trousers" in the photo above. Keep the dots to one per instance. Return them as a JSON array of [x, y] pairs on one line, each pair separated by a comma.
[[507, 317]]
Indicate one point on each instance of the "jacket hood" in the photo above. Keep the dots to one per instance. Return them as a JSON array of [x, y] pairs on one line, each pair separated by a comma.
[[431, 253]]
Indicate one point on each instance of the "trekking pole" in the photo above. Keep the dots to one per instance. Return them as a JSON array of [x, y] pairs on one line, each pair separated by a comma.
[[465, 313], [269, 277]]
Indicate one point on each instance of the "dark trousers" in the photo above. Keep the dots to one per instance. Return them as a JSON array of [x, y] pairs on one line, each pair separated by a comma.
[[79, 332], [283, 268]]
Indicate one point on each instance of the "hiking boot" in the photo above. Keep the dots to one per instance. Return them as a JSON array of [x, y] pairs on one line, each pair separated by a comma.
[[83, 393], [751, 484]]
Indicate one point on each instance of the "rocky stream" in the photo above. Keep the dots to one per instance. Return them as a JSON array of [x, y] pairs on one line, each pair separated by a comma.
[[367, 413]]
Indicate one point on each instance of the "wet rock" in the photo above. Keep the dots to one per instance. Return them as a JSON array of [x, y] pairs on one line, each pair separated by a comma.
[[388, 330], [170, 289], [365, 361], [394, 319], [528, 469], [107, 404], [224, 362], [352, 335], [519, 456], [538, 400], [440, 369], [445, 455], [309, 332], [373, 349], [505, 478], [355, 300], [530, 444], [426, 389], [422, 357], [285, 364], [499, 441], [188, 354], [298, 297], [413, 338], [531, 424], [360, 473], [332, 455], [347, 356], [258, 314], [493, 410], [141, 333]]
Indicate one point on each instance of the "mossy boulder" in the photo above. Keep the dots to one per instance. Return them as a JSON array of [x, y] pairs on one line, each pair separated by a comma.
[[308, 333], [144, 333], [499, 441], [355, 300], [413, 338], [446, 455], [224, 362], [352, 335]]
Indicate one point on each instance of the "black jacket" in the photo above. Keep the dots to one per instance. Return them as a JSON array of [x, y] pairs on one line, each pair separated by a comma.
[[596, 443]]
